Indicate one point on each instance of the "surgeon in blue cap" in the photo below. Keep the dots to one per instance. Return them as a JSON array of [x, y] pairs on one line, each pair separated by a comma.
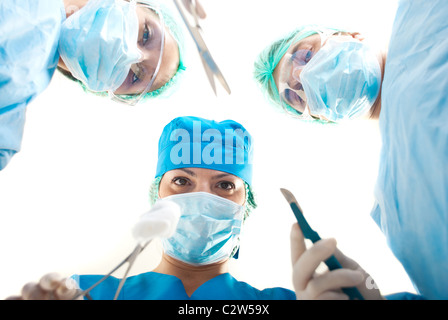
[[205, 167], [128, 50]]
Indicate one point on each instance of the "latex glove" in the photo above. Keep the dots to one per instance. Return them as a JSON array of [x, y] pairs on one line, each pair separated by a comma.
[[308, 284], [50, 287], [199, 9]]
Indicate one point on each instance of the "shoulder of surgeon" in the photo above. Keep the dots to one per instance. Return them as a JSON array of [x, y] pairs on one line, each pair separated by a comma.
[[244, 291]]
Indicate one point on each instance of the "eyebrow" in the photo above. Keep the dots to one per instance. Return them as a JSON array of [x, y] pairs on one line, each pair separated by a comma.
[[221, 176], [191, 173], [295, 47]]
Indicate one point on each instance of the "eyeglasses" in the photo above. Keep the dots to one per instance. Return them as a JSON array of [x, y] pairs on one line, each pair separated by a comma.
[[138, 72]]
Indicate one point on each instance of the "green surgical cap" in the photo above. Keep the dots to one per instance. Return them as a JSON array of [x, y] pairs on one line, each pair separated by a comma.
[[269, 58], [173, 23]]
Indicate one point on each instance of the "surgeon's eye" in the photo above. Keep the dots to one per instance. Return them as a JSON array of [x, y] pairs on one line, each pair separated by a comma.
[[147, 35], [302, 57], [179, 181], [308, 56], [137, 73], [134, 78], [226, 185], [294, 100]]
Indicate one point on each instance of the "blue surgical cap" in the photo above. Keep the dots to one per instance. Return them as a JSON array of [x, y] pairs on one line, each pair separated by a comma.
[[192, 142]]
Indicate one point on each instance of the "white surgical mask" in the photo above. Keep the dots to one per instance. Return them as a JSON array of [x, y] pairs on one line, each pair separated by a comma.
[[98, 43], [208, 229], [342, 81]]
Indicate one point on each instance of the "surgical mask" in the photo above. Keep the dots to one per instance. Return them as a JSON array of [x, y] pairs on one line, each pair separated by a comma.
[[208, 229], [98, 43], [342, 81]]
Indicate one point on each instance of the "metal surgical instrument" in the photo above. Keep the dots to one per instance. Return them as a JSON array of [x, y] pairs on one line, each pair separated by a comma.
[[211, 69], [129, 259], [332, 263]]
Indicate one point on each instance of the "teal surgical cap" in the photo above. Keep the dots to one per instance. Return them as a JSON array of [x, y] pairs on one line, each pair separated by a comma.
[[192, 142], [269, 58]]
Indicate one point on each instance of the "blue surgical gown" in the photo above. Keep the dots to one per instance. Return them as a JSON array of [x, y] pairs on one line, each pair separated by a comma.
[[158, 286], [29, 34], [412, 188]]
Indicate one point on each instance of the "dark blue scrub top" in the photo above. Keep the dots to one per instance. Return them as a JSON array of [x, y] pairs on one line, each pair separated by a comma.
[[158, 286]]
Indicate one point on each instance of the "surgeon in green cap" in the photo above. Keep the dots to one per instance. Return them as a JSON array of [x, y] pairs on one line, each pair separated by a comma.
[[324, 74], [332, 75]]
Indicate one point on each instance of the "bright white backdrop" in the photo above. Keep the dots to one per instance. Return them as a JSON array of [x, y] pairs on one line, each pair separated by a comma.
[[69, 199]]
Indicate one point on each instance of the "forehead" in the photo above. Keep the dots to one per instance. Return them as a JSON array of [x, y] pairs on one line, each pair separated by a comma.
[[144, 11], [310, 40]]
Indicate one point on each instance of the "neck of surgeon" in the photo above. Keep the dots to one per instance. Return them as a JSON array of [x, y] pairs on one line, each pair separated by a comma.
[[192, 276], [376, 108], [71, 6]]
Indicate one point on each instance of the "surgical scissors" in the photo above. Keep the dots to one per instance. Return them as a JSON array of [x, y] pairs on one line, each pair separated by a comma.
[[210, 66]]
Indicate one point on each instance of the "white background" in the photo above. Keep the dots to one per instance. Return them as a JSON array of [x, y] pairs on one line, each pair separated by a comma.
[[69, 199]]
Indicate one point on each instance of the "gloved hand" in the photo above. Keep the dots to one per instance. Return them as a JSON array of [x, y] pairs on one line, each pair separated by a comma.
[[308, 284], [199, 9], [50, 287]]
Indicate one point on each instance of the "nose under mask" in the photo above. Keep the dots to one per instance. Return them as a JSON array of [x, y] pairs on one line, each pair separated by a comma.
[[208, 229], [98, 43], [342, 81]]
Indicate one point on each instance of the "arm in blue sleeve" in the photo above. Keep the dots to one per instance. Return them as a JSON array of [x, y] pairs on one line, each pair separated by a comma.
[[29, 37], [5, 157], [12, 122], [404, 296]]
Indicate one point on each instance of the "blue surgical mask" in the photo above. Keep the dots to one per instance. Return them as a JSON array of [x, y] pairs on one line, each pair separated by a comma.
[[98, 43], [208, 229], [342, 81]]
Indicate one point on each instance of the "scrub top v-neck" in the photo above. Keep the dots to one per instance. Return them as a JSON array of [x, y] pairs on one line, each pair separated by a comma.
[[158, 286]]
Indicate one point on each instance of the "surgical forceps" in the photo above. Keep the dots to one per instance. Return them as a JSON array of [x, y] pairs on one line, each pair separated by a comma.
[[161, 222], [211, 69], [129, 259]]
